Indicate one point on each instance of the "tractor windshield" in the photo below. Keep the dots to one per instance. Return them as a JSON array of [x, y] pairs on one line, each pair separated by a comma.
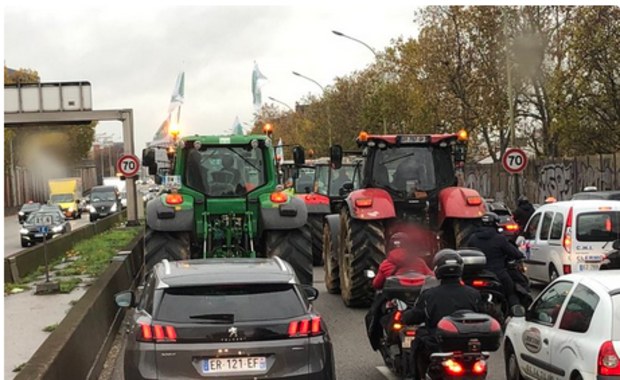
[[221, 171], [412, 168]]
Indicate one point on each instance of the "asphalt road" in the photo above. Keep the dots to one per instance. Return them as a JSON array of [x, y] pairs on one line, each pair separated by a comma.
[[355, 359], [12, 242]]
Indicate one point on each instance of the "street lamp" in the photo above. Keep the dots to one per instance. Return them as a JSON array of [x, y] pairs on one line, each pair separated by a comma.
[[329, 124], [281, 102], [374, 52]]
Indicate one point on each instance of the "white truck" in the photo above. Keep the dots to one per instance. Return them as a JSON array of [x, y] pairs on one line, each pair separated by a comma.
[[120, 185]]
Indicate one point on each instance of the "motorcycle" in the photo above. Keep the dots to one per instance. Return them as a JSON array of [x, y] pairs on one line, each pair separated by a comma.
[[399, 293], [612, 258], [489, 285], [463, 340]]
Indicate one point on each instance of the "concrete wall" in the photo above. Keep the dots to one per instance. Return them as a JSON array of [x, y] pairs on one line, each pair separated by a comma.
[[560, 178], [78, 347]]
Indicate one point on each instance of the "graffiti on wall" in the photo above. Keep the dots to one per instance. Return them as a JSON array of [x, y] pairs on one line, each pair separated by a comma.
[[555, 180], [600, 175], [480, 180]]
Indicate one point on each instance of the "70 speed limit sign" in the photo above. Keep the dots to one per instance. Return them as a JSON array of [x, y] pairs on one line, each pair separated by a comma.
[[514, 160], [128, 165]]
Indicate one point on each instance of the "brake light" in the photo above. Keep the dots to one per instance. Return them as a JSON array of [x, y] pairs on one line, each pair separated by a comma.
[[410, 333], [567, 240], [480, 283], [566, 268], [363, 202], [495, 326], [305, 327], [511, 227], [480, 367], [453, 367], [396, 326], [448, 326], [474, 201], [157, 333], [411, 281], [608, 226], [278, 197], [608, 360], [174, 199]]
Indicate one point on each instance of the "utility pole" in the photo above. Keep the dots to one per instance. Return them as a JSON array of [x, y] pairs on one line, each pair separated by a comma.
[[511, 116]]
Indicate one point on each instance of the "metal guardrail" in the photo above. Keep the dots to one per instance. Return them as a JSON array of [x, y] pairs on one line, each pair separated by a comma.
[[29, 260]]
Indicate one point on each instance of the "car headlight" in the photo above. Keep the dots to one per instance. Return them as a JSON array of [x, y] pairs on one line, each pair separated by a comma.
[[91, 209], [57, 229], [21, 213], [23, 231], [70, 209], [113, 208]]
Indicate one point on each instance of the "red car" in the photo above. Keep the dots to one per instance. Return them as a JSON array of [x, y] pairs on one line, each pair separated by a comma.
[[506, 221]]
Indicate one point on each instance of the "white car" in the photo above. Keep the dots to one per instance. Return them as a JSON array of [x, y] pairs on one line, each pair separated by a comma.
[[566, 237], [571, 331]]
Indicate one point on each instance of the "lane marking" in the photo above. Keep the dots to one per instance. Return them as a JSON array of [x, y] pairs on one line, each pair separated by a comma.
[[386, 373]]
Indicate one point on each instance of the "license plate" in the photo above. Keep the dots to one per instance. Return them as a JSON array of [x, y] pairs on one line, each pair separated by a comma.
[[231, 365], [585, 267], [38, 235], [407, 340]]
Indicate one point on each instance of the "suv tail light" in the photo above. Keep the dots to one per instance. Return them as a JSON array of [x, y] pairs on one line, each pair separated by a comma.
[[511, 227], [157, 333], [608, 360], [567, 240], [305, 327]]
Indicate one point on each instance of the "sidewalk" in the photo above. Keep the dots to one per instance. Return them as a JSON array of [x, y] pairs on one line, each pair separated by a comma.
[[25, 317]]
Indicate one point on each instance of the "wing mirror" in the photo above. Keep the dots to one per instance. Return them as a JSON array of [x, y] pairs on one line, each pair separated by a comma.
[[311, 292], [125, 299], [148, 160], [335, 156], [346, 188], [299, 156], [518, 311], [616, 245]]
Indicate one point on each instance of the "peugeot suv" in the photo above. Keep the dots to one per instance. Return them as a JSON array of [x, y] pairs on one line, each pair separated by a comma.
[[226, 318]]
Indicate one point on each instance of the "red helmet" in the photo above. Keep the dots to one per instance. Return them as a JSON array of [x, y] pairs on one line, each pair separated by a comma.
[[398, 240]]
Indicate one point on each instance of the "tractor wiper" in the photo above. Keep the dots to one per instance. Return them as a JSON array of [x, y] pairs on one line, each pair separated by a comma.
[[224, 318], [398, 158], [244, 159]]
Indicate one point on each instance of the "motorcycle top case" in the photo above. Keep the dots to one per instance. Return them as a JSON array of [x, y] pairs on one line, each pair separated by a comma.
[[473, 260], [459, 330], [405, 287]]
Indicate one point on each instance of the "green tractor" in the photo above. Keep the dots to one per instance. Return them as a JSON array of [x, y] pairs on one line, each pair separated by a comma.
[[222, 200]]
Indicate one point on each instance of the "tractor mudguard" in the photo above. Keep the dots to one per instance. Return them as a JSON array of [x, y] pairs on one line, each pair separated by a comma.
[[371, 204], [333, 223], [161, 217], [316, 203], [460, 203], [287, 216]]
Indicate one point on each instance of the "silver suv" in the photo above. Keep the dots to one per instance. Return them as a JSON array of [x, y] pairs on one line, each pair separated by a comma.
[[226, 318]]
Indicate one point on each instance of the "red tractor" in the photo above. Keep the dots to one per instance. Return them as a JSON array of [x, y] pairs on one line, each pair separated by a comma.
[[407, 183]]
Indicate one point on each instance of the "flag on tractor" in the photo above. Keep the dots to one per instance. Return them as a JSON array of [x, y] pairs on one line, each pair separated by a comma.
[[257, 82]]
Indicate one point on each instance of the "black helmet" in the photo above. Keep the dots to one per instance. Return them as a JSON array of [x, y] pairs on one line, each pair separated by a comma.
[[490, 219], [447, 264]]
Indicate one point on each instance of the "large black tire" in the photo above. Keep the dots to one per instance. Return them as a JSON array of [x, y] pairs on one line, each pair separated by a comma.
[[160, 245], [330, 261], [362, 247], [294, 246], [463, 228], [315, 222]]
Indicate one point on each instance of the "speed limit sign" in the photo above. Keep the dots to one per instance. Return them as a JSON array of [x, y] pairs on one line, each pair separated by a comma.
[[514, 160], [128, 165]]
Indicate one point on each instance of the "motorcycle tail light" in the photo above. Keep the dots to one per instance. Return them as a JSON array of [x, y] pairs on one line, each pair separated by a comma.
[[480, 367], [453, 368]]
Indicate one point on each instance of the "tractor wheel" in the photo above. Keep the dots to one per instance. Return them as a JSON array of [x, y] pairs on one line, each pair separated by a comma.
[[362, 248], [165, 245], [463, 228], [315, 222], [330, 262], [294, 246]]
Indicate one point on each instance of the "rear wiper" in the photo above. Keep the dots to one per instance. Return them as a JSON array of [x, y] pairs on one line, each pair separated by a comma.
[[215, 317]]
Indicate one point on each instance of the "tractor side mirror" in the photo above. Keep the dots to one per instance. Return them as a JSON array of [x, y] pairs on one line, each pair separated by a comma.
[[335, 156], [148, 160], [299, 156]]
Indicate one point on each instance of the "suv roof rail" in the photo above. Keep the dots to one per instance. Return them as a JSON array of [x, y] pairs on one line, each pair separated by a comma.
[[167, 269], [281, 263]]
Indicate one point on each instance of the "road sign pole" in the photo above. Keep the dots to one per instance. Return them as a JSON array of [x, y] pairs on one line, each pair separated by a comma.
[[47, 269]]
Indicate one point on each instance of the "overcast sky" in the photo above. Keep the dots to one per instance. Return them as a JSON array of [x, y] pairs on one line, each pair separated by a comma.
[[133, 55]]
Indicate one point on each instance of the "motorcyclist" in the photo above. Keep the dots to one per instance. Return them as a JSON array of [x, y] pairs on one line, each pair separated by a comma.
[[399, 260], [498, 250], [523, 212], [438, 302]]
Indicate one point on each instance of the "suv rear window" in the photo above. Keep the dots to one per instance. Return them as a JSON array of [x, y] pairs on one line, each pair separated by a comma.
[[598, 226], [246, 302]]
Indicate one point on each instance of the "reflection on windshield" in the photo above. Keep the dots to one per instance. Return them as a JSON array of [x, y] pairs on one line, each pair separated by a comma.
[[61, 198], [225, 171], [404, 169], [103, 197], [303, 185], [340, 177]]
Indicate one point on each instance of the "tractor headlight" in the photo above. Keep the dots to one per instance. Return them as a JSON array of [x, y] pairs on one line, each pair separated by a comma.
[[23, 231], [113, 208]]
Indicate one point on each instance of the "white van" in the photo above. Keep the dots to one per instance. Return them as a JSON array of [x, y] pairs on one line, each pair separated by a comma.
[[566, 237]]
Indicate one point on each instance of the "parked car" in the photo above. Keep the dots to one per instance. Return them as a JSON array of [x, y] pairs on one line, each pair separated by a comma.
[[216, 318], [104, 201], [571, 331], [609, 195], [510, 228], [571, 236], [26, 210], [54, 221]]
